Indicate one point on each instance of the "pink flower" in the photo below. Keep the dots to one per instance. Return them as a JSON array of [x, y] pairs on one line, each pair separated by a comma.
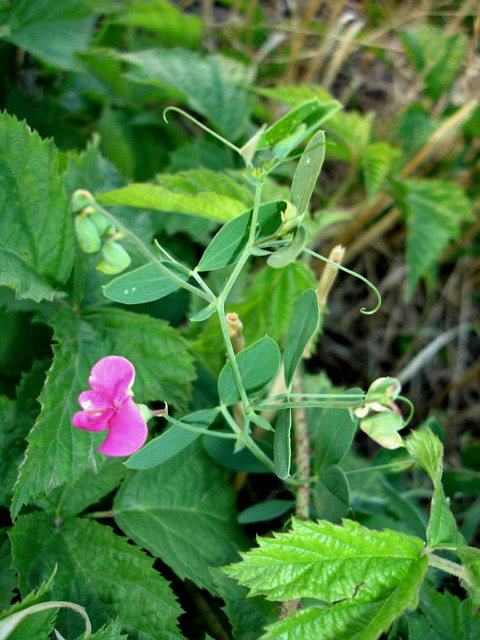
[[110, 406]]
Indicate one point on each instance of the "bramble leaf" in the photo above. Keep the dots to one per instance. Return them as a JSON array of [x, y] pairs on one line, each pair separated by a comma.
[[377, 159], [375, 576], [98, 570], [36, 230], [183, 512], [435, 211]]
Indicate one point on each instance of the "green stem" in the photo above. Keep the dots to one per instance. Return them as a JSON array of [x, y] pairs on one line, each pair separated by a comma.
[[400, 464], [352, 273], [309, 403], [189, 427], [247, 440], [447, 565], [244, 256], [132, 236], [231, 422]]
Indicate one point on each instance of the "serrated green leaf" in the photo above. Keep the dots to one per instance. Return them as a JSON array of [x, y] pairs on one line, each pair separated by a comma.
[[144, 284], [171, 441], [448, 617], [70, 500], [333, 434], [266, 510], [214, 86], [100, 571], [331, 494], [377, 159], [57, 452], [8, 580], [254, 378], [376, 576], [183, 512], [14, 426], [303, 325], [36, 230], [282, 446], [229, 242], [54, 32], [271, 296], [435, 211], [109, 632], [307, 172], [427, 450], [90, 170]]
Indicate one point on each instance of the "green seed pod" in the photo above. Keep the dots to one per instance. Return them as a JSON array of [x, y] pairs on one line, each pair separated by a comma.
[[104, 226], [87, 234], [114, 258], [81, 198]]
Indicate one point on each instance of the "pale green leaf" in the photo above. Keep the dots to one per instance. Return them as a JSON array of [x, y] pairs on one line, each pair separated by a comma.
[[214, 86], [208, 204], [144, 284], [329, 562], [307, 172], [303, 325], [57, 452], [173, 26], [109, 632], [377, 159], [434, 211], [52, 31], [272, 294], [183, 512], [98, 570], [36, 231], [331, 494], [254, 378]]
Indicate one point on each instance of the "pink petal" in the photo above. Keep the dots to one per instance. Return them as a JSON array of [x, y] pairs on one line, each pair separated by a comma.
[[113, 375], [128, 431], [92, 422], [94, 401]]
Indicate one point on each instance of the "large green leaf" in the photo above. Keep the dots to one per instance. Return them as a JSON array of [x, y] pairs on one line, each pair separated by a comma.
[[214, 86], [254, 377], [333, 431], [57, 452], [205, 202], [434, 211], [36, 231], [51, 31], [307, 172], [183, 512], [98, 570], [331, 494], [375, 576], [272, 294], [14, 426]]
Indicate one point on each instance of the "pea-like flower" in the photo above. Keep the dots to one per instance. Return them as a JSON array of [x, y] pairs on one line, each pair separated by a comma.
[[109, 405]]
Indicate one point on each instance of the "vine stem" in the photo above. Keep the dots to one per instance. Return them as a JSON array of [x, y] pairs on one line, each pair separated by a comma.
[[148, 253], [220, 305], [447, 565]]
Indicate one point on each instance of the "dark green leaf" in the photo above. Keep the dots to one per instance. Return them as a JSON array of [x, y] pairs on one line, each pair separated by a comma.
[[333, 434], [282, 448], [229, 242], [182, 511], [254, 377], [8, 580], [171, 441], [331, 494], [263, 511], [96, 569], [222, 451], [303, 324]]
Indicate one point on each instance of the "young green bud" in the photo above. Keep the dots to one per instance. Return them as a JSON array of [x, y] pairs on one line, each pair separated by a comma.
[[290, 219], [104, 226], [81, 198], [87, 234], [114, 258]]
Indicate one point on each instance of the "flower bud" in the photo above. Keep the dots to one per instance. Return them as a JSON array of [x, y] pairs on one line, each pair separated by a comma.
[[87, 234], [104, 226], [114, 258], [290, 219], [81, 198]]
